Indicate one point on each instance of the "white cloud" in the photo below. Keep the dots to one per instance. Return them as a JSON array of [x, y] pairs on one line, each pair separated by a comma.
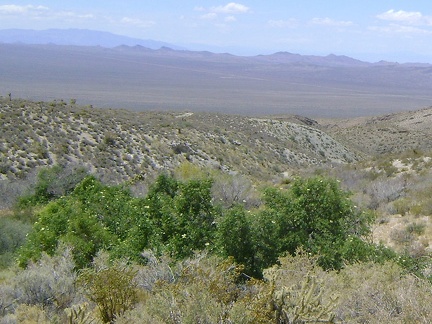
[[290, 23], [227, 11], [15, 9], [400, 29], [230, 8], [331, 22], [71, 14], [137, 22], [408, 17], [209, 16], [41, 13]]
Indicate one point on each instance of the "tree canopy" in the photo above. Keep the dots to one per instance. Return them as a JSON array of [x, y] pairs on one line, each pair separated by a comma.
[[180, 217]]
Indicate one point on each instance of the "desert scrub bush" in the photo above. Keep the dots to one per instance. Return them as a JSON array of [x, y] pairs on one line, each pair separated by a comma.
[[29, 314], [401, 236], [110, 286], [110, 139], [386, 190], [204, 289], [417, 228], [402, 206], [7, 298], [13, 235], [53, 182], [80, 314], [11, 190], [385, 293], [156, 270], [50, 283], [229, 190]]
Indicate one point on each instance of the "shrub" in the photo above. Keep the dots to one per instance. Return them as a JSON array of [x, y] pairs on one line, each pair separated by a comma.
[[182, 215], [28, 314], [48, 283], [316, 214], [370, 292], [111, 287], [230, 190], [53, 183], [298, 292], [67, 220], [203, 291], [416, 228], [234, 237], [13, 236]]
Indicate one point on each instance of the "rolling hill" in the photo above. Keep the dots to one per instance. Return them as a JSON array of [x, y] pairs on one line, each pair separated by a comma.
[[121, 144]]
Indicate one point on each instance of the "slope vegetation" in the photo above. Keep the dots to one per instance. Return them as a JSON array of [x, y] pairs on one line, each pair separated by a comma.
[[121, 144], [392, 133]]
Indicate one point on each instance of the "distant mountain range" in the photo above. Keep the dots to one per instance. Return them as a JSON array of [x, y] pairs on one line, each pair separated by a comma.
[[120, 72], [77, 37], [85, 37]]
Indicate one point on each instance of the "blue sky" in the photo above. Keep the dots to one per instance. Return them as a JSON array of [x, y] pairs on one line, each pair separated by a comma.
[[370, 29]]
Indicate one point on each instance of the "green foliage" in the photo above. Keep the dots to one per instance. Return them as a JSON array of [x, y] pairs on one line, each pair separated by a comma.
[[74, 220], [316, 214], [182, 214], [234, 238], [195, 226], [13, 235], [111, 287], [179, 218], [175, 217]]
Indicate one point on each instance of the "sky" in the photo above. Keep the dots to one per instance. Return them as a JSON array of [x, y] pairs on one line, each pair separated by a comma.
[[370, 30]]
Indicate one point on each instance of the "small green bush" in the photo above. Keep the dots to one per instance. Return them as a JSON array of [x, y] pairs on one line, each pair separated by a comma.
[[13, 235], [416, 228]]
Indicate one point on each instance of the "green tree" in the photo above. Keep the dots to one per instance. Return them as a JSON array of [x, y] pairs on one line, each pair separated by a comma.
[[182, 214], [91, 218], [316, 214], [176, 217], [234, 238], [195, 218], [66, 220]]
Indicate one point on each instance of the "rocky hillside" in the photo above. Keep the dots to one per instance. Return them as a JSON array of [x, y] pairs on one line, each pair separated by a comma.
[[392, 133], [120, 144]]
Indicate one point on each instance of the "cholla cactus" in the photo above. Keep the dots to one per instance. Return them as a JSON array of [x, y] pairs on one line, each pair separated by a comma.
[[78, 314]]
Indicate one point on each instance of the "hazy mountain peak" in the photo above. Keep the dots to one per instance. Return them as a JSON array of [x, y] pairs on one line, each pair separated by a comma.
[[78, 37]]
